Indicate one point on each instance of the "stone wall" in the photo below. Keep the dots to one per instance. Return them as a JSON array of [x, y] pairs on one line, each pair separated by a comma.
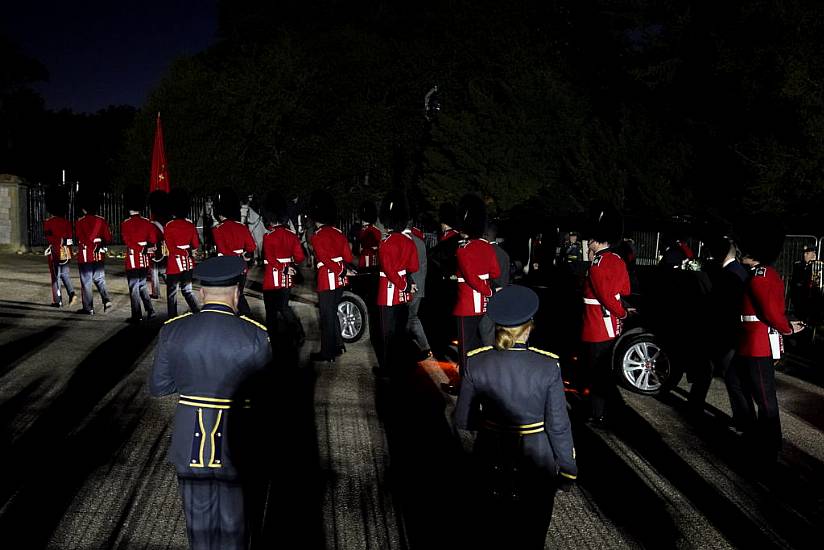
[[13, 222]]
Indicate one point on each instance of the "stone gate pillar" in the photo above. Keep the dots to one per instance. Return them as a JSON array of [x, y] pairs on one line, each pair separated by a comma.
[[13, 214]]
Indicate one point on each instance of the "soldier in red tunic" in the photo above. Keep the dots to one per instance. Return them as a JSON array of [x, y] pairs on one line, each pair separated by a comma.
[[93, 234], [233, 238], [764, 322], [160, 214], [181, 239], [606, 282], [477, 266], [58, 232], [398, 259], [369, 237], [332, 254], [139, 235], [282, 251]]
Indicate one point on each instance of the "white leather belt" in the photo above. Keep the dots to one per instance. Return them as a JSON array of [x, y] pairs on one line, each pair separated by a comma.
[[483, 277], [335, 259], [183, 246], [238, 252], [594, 302], [402, 272], [749, 319], [281, 260]]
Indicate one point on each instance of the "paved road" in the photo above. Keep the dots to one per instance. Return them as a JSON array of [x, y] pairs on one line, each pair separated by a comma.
[[366, 464]]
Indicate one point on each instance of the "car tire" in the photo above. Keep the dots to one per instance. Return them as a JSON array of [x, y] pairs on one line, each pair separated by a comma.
[[353, 317], [641, 365]]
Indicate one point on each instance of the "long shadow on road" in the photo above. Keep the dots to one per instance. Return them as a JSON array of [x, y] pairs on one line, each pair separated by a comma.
[[17, 350], [427, 462], [52, 458], [727, 516]]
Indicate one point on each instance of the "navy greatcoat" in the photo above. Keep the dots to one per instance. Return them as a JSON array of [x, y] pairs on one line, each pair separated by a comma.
[[215, 361], [515, 400]]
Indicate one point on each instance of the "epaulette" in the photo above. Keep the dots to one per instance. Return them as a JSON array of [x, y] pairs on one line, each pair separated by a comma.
[[597, 259], [258, 325], [542, 352], [178, 317], [761, 271], [476, 351]]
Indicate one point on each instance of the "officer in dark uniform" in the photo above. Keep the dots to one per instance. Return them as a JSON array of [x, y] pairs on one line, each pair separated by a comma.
[[441, 284], [801, 284], [513, 396], [213, 359]]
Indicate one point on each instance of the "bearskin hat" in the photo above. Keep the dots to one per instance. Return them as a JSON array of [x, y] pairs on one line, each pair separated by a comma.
[[606, 223], [322, 207], [179, 203], [88, 200], [472, 216], [160, 206], [57, 203], [227, 204], [447, 214], [275, 208], [761, 238], [134, 198], [394, 211], [368, 212]]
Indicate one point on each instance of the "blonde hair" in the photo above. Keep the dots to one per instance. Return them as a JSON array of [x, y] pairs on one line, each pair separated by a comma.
[[505, 337]]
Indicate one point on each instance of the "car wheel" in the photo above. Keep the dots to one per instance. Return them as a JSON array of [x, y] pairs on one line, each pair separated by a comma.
[[643, 367], [353, 317]]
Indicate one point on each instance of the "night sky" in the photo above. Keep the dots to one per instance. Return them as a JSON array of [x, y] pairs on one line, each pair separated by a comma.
[[104, 52]]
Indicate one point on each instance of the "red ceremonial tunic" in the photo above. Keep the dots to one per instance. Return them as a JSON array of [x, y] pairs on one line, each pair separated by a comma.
[[137, 232], [398, 257], [448, 234], [281, 248], [233, 239], [606, 282], [181, 240], [332, 252], [92, 233], [58, 231], [762, 315], [477, 266], [369, 238]]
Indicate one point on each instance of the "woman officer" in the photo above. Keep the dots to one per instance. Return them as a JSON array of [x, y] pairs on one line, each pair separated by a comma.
[[513, 396]]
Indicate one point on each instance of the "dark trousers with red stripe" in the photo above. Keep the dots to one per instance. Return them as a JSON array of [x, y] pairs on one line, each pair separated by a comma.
[[751, 386], [180, 282], [330, 337], [138, 292], [389, 340], [60, 274], [469, 337], [242, 305], [596, 374]]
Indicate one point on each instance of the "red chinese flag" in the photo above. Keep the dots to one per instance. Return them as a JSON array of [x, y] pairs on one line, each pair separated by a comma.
[[160, 172]]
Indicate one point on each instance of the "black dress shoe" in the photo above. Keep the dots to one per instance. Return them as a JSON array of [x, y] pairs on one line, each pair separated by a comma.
[[56, 304], [134, 320], [107, 305], [341, 350], [321, 358], [451, 389], [85, 311], [598, 421], [380, 372]]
